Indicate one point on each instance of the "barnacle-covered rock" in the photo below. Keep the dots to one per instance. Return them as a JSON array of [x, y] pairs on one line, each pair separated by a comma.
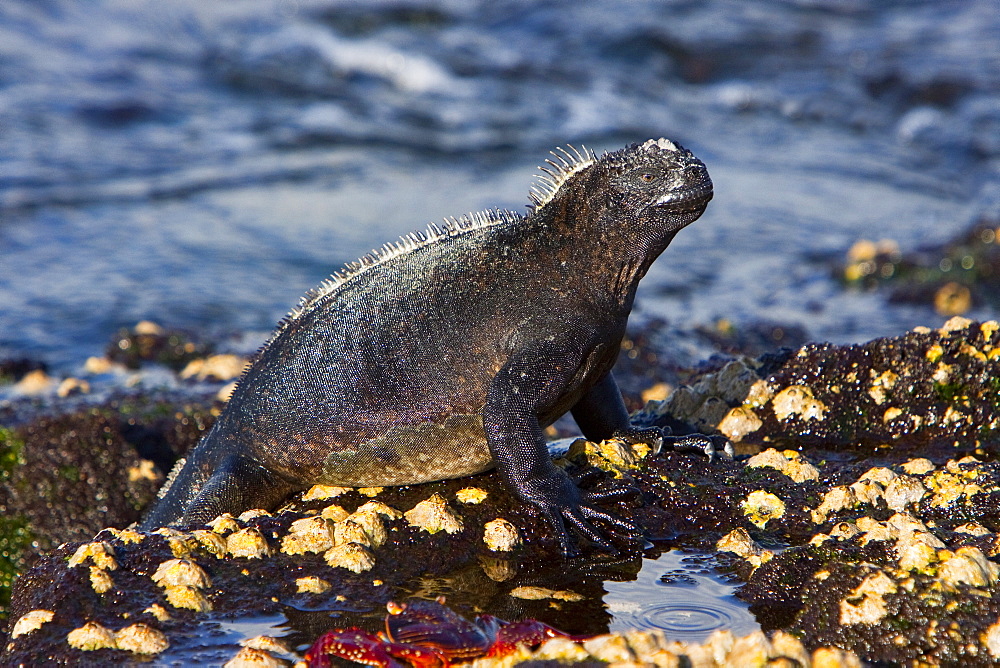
[[918, 466], [185, 596], [252, 514], [501, 536], [334, 513], [750, 650], [141, 639], [311, 585], [471, 495], [352, 556], [268, 644], [908, 455], [224, 524], [158, 611], [835, 499], [309, 534], [972, 529], [968, 565], [181, 572], [130, 536], [739, 542], [212, 542], [31, 621], [349, 531], [609, 648], [181, 544], [926, 387], [740, 422], [903, 491], [653, 648], [866, 604], [248, 543], [100, 580], [262, 651], [99, 553], [371, 523], [92, 636], [251, 657], [433, 515], [991, 638], [381, 509], [760, 507], [322, 492], [613, 455], [789, 462], [562, 650], [797, 401]]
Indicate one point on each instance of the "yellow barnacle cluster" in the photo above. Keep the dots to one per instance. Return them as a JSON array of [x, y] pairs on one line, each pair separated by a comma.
[[501, 536], [31, 622], [347, 540], [182, 581], [470, 495], [434, 515], [789, 462], [739, 542], [955, 483], [101, 558], [136, 638], [248, 543], [761, 507]]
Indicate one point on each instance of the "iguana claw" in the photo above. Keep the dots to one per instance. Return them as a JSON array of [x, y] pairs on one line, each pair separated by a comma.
[[702, 443]]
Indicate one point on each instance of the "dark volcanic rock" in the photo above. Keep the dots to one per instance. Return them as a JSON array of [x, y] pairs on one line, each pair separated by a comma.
[[953, 277], [13, 370], [876, 531], [148, 342], [934, 389], [65, 478]]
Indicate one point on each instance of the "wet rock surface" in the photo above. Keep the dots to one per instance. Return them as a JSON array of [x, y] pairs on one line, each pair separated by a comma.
[[850, 525], [927, 389]]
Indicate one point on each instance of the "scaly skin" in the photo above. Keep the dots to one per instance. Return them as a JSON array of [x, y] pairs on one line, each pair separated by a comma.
[[450, 352]]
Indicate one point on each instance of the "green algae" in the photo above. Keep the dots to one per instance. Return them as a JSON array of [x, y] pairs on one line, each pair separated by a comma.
[[15, 537]]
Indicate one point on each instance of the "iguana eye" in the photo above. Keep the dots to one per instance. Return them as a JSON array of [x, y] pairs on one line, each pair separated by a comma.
[[642, 178]]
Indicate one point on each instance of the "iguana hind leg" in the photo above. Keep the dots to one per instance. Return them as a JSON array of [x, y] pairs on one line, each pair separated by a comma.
[[238, 485], [210, 483]]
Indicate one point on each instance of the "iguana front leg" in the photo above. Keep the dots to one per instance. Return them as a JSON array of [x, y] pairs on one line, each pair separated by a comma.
[[534, 379], [601, 414]]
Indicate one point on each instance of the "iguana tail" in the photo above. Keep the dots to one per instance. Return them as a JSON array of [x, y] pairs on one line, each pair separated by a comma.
[[213, 480]]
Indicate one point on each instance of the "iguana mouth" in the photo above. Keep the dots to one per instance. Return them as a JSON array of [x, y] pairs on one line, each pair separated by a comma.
[[688, 199]]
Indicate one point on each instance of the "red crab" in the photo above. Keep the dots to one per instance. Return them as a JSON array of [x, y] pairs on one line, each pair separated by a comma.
[[426, 634]]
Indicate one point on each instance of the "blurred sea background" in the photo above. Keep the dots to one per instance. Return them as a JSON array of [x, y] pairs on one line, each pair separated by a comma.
[[202, 164]]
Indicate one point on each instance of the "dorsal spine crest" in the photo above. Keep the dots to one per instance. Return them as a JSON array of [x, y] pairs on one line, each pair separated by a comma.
[[568, 161], [407, 243]]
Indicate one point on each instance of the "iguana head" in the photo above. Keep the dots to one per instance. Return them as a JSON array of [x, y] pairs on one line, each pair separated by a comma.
[[658, 182], [659, 179]]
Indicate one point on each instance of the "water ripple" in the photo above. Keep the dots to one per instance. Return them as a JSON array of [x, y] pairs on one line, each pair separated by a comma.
[[679, 595]]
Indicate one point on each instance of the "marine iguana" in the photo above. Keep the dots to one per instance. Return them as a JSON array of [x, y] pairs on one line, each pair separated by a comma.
[[448, 352]]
